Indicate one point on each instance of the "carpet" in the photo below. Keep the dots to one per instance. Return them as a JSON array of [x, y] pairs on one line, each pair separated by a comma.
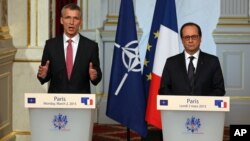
[[115, 132], [112, 132]]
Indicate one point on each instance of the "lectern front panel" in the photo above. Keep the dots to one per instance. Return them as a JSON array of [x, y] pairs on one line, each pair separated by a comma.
[[61, 124]]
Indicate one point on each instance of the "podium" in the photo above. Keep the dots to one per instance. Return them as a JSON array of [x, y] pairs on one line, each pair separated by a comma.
[[60, 117], [193, 118]]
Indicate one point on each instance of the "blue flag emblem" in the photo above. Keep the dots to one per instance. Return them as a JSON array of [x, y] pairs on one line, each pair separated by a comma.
[[164, 102], [126, 98], [130, 59], [31, 100], [86, 101], [220, 103]]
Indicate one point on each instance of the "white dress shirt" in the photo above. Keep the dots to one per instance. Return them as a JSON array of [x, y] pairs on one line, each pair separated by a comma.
[[75, 41], [195, 60]]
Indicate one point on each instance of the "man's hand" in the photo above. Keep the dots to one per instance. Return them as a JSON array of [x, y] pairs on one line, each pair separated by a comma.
[[92, 72], [43, 70]]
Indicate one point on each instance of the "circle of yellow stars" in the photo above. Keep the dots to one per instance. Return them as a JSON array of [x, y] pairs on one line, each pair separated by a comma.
[[149, 76]]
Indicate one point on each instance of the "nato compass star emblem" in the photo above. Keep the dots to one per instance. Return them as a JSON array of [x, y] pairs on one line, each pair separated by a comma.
[[130, 59]]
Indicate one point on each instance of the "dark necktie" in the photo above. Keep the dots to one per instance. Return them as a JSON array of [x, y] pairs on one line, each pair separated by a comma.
[[191, 71], [69, 58]]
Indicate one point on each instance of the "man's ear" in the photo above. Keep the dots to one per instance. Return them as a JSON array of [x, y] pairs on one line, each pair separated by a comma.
[[61, 20]]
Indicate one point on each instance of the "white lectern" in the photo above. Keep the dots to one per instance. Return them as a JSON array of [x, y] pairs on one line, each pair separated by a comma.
[[193, 118], [60, 117]]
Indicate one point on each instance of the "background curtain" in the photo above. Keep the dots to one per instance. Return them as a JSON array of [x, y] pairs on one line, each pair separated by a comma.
[[59, 6]]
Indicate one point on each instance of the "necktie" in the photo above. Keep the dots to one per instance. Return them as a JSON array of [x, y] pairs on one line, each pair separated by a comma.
[[69, 58], [191, 71]]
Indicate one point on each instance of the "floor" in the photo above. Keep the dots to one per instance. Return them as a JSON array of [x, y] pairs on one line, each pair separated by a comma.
[[107, 132]]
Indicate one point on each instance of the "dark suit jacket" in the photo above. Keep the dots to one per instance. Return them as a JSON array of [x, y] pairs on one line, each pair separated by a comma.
[[57, 75], [208, 79]]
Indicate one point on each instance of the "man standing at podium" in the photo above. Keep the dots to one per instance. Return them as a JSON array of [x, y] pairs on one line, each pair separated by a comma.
[[192, 72], [70, 61]]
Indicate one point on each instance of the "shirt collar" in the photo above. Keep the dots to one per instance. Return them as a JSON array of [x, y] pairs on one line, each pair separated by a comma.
[[75, 39], [196, 55]]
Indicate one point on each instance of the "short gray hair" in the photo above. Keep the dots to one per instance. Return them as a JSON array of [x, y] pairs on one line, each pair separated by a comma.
[[71, 6]]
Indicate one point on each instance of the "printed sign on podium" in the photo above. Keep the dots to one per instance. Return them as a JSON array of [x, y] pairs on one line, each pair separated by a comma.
[[60, 117], [193, 118]]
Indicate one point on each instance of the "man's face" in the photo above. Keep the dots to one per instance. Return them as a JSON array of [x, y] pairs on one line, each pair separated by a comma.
[[71, 21], [191, 39]]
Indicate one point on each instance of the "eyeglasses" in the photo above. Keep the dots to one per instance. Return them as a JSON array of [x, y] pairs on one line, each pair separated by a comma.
[[193, 37]]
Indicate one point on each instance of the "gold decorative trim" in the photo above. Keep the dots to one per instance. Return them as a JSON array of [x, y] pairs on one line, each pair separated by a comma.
[[28, 24], [240, 98], [4, 29], [234, 18], [112, 17], [36, 22], [5, 37], [13, 134], [4, 33], [100, 94], [26, 61]]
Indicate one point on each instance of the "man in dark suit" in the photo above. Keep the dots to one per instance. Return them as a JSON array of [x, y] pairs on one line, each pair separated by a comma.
[[70, 61], [192, 72]]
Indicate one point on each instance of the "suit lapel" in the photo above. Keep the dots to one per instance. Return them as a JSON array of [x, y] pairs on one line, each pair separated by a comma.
[[199, 66], [183, 67], [79, 54], [61, 54]]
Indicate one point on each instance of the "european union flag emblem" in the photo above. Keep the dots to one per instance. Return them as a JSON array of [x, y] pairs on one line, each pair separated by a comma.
[[164, 102], [31, 100]]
